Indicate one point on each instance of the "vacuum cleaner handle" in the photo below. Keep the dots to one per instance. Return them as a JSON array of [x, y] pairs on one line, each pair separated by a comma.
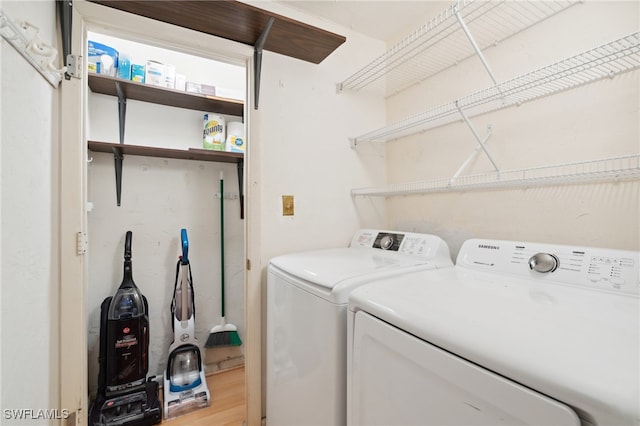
[[127, 246], [127, 278], [185, 246]]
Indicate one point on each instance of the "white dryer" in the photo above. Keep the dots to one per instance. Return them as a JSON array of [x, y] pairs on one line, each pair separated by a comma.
[[516, 333], [307, 295]]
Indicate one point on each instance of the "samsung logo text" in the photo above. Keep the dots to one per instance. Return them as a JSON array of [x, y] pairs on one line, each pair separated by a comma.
[[489, 247]]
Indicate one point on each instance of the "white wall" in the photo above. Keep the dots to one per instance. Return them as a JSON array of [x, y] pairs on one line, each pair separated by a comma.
[[300, 141], [596, 121], [159, 197], [303, 128], [29, 369]]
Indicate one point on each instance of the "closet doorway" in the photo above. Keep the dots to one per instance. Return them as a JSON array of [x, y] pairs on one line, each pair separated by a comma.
[[160, 195]]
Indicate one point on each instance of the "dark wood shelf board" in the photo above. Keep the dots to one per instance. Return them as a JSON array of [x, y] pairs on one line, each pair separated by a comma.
[[239, 22], [164, 96], [182, 154]]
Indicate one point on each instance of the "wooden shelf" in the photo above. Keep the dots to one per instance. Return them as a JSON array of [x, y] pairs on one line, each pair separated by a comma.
[[239, 22], [182, 154], [163, 96]]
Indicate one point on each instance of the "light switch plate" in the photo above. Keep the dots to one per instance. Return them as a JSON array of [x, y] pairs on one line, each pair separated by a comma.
[[287, 205]]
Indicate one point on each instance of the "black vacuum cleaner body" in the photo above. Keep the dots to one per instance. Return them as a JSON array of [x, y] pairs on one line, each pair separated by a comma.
[[125, 396]]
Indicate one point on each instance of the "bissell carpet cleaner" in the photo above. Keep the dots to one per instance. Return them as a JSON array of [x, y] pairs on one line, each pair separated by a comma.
[[185, 385], [125, 396]]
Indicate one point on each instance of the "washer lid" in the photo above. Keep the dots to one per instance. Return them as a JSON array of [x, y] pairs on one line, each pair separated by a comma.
[[576, 345], [336, 270]]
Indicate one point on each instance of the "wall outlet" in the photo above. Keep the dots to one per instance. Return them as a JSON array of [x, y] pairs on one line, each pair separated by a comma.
[[287, 205]]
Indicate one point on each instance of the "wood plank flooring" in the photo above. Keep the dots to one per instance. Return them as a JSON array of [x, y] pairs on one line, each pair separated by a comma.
[[227, 402]]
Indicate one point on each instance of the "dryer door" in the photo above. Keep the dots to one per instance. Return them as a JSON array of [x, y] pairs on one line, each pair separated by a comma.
[[399, 379]]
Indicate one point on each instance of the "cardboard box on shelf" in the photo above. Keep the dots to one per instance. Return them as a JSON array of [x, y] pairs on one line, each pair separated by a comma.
[[137, 73], [154, 73], [102, 59], [169, 76], [181, 82]]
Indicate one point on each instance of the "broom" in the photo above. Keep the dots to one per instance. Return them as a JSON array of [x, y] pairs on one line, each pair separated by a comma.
[[223, 334]]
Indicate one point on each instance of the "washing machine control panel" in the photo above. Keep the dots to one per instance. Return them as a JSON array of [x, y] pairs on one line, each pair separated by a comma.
[[413, 244], [596, 268], [388, 241]]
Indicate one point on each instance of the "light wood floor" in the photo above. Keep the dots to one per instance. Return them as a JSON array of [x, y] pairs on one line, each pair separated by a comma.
[[227, 402]]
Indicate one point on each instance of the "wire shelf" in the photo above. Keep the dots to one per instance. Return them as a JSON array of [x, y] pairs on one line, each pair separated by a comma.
[[610, 169], [604, 61], [441, 43]]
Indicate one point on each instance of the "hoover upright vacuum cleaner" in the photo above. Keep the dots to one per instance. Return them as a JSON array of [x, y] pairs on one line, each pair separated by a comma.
[[125, 396], [185, 386]]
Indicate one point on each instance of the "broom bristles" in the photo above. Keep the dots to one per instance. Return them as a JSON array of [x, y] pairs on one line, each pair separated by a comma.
[[223, 335], [223, 338]]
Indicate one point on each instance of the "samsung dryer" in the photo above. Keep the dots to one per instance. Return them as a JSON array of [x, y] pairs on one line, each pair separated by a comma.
[[516, 333], [307, 295]]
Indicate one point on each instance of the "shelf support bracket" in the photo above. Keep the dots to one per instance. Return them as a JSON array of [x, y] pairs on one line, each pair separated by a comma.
[[471, 157], [117, 159], [122, 109], [474, 44], [117, 153], [257, 61], [240, 166], [478, 139]]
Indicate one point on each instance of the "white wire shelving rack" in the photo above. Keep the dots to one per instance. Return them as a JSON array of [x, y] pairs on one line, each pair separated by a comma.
[[605, 61], [610, 169], [446, 40]]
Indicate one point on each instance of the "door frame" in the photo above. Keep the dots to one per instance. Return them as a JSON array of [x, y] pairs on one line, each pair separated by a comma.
[[73, 199]]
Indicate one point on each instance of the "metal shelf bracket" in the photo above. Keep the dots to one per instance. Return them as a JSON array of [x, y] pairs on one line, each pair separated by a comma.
[[117, 153], [117, 159], [240, 167], [471, 157], [478, 139], [475, 46], [257, 60]]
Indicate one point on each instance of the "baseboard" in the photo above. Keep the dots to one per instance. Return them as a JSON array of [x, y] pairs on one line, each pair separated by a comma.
[[222, 358]]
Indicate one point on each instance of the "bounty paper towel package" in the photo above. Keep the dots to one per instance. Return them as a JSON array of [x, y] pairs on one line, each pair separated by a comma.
[[235, 137], [213, 135]]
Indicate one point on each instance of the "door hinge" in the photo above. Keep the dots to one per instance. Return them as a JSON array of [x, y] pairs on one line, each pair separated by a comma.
[[248, 265], [81, 243], [74, 66]]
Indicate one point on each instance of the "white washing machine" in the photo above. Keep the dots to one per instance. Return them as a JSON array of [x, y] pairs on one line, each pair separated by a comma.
[[516, 333], [307, 295]]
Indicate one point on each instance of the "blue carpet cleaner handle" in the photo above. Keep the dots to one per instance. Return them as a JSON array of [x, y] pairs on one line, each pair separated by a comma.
[[185, 246]]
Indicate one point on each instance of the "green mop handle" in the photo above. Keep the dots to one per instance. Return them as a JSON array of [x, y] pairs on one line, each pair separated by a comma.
[[222, 241]]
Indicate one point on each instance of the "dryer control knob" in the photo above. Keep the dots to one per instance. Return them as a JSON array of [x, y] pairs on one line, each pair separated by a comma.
[[543, 262], [386, 242]]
